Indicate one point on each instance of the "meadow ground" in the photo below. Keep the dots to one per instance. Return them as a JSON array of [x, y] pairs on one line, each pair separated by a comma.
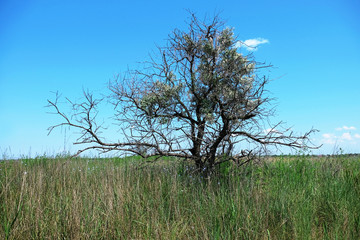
[[289, 197]]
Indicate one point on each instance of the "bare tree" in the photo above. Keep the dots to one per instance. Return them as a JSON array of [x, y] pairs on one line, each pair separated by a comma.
[[198, 99]]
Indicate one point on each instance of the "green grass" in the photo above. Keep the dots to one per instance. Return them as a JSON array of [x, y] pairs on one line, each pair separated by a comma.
[[283, 198]]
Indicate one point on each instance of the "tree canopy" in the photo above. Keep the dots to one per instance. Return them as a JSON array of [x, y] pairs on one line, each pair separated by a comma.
[[198, 98]]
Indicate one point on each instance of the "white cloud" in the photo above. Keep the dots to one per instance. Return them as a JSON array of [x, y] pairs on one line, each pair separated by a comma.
[[328, 135], [329, 138], [346, 136], [345, 128], [271, 130], [251, 44]]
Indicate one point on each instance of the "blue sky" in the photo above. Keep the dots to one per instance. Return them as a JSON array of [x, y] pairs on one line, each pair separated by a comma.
[[68, 46]]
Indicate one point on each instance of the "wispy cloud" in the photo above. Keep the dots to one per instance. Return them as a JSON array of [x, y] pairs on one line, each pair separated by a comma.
[[330, 138], [346, 136], [345, 128], [251, 44], [271, 130]]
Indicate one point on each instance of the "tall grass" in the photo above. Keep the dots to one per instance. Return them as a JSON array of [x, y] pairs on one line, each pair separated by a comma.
[[286, 198]]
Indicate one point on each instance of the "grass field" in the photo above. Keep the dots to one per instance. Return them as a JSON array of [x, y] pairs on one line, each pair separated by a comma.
[[291, 197]]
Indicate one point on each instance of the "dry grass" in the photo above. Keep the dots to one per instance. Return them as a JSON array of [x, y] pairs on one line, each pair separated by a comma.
[[58, 198]]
